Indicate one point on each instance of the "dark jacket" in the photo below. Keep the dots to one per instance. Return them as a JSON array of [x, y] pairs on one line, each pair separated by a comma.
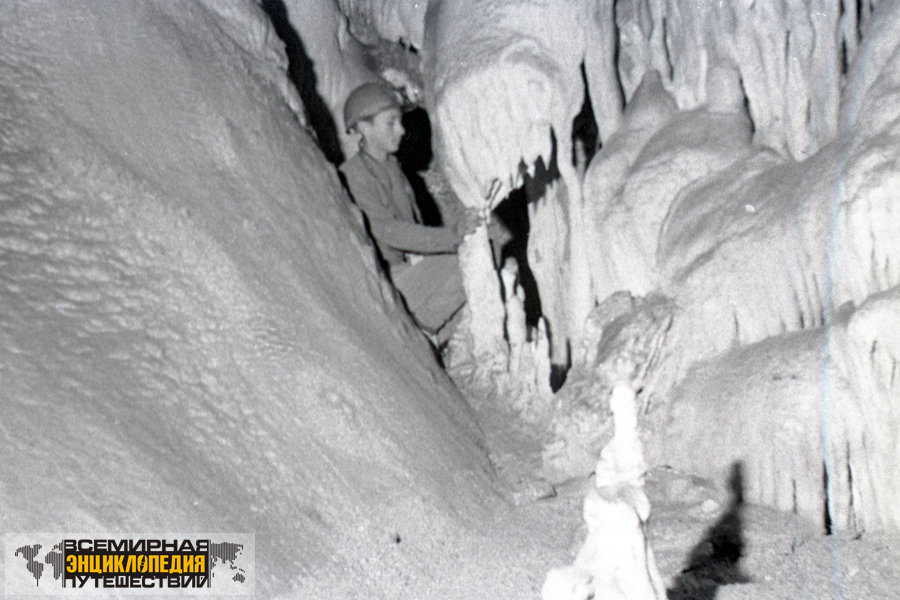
[[383, 193]]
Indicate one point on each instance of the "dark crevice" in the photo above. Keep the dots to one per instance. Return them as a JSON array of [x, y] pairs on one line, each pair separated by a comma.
[[747, 107], [845, 65], [584, 128], [512, 213], [535, 190], [302, 75], [851, 512], [617, 51], [559, 372], [536, 186], [826, 512], [415, 156], [859, 20], [669, 65], [787, 48]]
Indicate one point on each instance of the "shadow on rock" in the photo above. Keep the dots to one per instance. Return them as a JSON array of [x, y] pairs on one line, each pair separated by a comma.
[[714, 561], [303, 76]]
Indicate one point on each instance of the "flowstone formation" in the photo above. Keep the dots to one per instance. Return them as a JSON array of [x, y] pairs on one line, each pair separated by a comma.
[[746, 180], [503, 85]]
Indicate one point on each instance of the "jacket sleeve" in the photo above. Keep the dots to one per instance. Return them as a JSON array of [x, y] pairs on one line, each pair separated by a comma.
[[389, 231], [412, 237]]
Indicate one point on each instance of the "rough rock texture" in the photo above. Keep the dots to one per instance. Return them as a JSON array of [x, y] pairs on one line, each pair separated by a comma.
[[193, 333], [811, 418], [395, 20], [503, 79], [752, 248], [788, 55], [500, 75], [766, 247], [630, 186], [333, 61]]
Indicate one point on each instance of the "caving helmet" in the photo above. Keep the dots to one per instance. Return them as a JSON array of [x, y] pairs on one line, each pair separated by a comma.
[[366, 101]]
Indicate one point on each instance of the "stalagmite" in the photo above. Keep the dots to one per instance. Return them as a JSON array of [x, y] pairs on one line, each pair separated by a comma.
[[615, 562], [527, 376], [548, 259], [484, 311], [516, 333]]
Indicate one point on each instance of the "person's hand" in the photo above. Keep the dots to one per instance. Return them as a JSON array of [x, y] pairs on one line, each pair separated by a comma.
[[468, 223]]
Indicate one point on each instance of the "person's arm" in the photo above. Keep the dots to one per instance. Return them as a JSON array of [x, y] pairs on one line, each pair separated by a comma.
[[412, 237], [400, 235]]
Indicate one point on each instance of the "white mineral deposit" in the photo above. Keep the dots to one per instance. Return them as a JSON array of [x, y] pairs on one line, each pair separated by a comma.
[[197, 332], [615, 560]]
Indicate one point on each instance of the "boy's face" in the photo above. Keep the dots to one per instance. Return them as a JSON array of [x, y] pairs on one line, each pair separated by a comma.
[[382, 133]]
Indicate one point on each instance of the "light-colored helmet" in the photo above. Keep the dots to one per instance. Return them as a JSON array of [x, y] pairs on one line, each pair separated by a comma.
[[366, 101]]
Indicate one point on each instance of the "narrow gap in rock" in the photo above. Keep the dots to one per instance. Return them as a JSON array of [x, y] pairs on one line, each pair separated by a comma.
[[860, 20], [827, 511], [787, 45], [851, 512], [669, 65], [512, 213], [415, 156], [302, 75], [585, 132], [845, 65], [747, 108], [617, 51]]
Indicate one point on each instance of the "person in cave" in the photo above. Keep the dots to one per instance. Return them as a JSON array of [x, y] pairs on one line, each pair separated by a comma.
[[421, 260]]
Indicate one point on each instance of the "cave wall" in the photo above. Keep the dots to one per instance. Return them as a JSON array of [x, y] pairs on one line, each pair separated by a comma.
[[327, 62], [788, 54], [399, 21], [193, 332], [775, 266], [749, 180], [751, 245]]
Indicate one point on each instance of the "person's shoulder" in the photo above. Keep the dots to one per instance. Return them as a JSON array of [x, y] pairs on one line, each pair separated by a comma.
[[352, 163], [355, 168]]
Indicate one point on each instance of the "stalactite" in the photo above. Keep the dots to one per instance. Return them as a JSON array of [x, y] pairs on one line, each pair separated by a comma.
[[788, 56], [501, 80]]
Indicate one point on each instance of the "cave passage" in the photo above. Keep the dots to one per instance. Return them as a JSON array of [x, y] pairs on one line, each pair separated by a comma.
[[415, 155]]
